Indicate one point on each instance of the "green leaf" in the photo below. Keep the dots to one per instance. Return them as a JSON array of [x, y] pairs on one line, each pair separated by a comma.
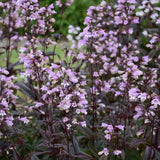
[[103, 157], [93, 150], [132, 154], [136, 142], [75, 145], [83, 156]]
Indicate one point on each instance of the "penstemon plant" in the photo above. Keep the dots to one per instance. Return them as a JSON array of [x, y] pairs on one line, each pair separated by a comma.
[[122, 71], [99, 100]]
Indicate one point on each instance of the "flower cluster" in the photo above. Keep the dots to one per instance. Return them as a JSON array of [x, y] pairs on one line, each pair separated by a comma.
[[61, 3], [106, 83], [120, 66], [8, 99]]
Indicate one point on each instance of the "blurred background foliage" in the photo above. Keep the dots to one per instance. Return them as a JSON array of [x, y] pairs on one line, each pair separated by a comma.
[[73, 15]]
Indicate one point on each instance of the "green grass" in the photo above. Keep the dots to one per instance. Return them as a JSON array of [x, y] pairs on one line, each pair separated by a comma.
[[14, 56]]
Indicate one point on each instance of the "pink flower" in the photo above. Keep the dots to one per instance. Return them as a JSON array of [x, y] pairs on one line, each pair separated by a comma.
[[118, 20], [106, 87], [104, 125], [83, 124], [142, 96], [24, 119], [108, 136], [149, 45], [158, 21], [154, 39], [84, 111], [38, 104], [135, 20], [1, 32], [4, 103], [130, 31], [110, 128], [69, 126], [9, 121], [117, 152], [59, 3], [72, 76], [121, 1], [138, 109], [133, 93], [2, 113], [65, 119], [105, 151], [69, 2], [95, 74], [145, 59], [103, 3], [34, 1], [155, 102], [121, 127], [136, 72], [132, 1]]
